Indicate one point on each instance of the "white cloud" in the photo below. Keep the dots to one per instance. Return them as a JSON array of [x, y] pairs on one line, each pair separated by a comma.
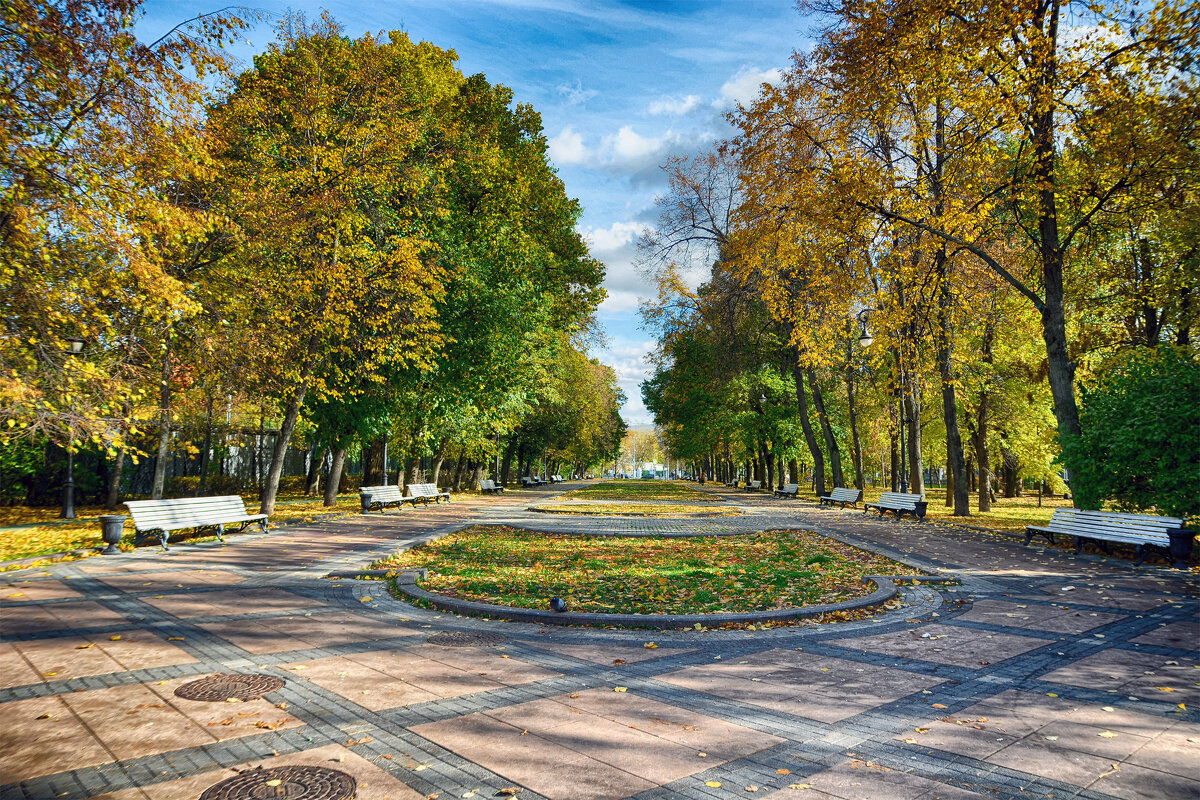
[[619, 302], [567, 147], [675, 106], [576, 95], [628, 145], [743, 87], [615, 236]]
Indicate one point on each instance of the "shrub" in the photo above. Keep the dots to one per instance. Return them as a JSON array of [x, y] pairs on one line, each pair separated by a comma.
[[1140, 446]]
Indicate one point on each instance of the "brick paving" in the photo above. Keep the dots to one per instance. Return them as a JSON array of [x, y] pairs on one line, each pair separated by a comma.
[[1039, 674]]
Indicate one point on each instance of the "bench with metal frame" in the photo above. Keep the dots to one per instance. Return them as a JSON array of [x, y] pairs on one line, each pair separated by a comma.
[[753, 486], [843, 495], [1141, 530], [899, 503], [487, 486], [788, 490], [424, 492], [380, 497], [163, 516]]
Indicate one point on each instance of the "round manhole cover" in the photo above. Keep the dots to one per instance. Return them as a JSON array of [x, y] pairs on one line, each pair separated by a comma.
[[222, 688], [294, 783], [466, 639]]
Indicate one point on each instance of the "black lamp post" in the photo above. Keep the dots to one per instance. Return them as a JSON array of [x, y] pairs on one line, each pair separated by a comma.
[[865, 338], [74, 350]]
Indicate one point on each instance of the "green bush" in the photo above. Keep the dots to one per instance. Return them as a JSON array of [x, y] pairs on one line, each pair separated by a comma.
[[1140, 446]]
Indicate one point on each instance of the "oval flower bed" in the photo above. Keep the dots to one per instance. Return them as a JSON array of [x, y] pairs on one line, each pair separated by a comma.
[[650, 575]]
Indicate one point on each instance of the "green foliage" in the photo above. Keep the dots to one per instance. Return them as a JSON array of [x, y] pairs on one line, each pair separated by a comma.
[[1140, 446]]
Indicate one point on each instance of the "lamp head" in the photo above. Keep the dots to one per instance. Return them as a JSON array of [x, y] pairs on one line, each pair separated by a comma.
[[74, 345], [866, 338]]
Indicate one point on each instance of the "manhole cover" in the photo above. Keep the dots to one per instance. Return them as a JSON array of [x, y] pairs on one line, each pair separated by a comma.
[[294, 783], [466, 639], [220, 688]]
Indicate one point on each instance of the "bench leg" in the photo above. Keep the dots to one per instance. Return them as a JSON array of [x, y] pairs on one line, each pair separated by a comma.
[[1139, 555], [221, 532], [1078, 545]]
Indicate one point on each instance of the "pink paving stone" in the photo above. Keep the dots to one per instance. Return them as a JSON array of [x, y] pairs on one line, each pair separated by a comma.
[[1176, 750], [1138, 783], [277, 634], [947, 644], [32, 591], [1083, 593], [1183, 635], [1037, 616], [1142, 675], [373, 783], [1040, 757], [173, 579], [233, 601], [56, 616], [225, 720], [816, 687], [606, 653], [14, 669], [369, 688], [862, 780], [79, 656], [41, 737]]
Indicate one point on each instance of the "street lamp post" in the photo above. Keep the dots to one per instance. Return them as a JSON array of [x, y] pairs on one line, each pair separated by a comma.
[[74, 350], [865, 338]]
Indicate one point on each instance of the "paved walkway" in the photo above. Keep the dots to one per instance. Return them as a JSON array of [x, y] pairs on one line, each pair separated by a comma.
[[1041, 675]]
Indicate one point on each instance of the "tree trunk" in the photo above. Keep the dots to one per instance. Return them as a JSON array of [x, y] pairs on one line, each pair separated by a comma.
[[982, 457], [793, 471], [206, 449], [459, 466], [506, 462], [411, 465], [912, 410], [831, 445], [114, 481], [856, 443], [334, 481], [956, 465], [164, 424], [437, 461], [312, 481], [373, 463], [810, 438], [281, 445]]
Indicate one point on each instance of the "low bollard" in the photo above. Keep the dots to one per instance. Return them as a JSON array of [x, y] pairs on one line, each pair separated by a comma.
[[112, 528]]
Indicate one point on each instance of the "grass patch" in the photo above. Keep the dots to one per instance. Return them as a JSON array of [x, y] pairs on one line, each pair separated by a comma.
[[639, 490], [653, 575], [636, 509], [42, 533]]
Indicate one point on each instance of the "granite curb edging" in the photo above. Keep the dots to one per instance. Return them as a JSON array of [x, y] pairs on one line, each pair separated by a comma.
[[886, 589]]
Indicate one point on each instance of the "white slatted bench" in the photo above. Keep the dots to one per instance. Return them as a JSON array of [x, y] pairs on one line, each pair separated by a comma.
[[490, 487], [424, 492], [163, 516], [788, 490], [899, 503], [843, 495], [731, 484], [753, 486], [1141, 530], [380, 497]]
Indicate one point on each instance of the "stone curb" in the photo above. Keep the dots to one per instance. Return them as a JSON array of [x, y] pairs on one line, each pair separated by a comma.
[[885, 590], [31, 560]]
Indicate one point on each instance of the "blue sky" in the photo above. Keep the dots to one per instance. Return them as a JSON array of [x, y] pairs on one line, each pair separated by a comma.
[[621, 85]]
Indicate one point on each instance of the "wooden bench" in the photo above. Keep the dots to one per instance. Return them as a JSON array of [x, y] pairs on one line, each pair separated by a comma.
[[731, 484], [753, 486], [899, 503], [490, 487], [380, 497], [1141, 530], [788, 490], [163, 516], [424, 492], [841, 494]]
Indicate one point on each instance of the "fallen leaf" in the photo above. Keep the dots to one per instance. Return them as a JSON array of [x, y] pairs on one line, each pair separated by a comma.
[[713, 784], [233, 699], [508, 791], [85, 646], [783, 772], [939, 705], [1107, 734], [650, 646], [44, 716], [620, 688], [1051, 694], [617, 662], [751, 788], [1051, 738], [1108, 708], [799, 786], [363, 740], [115, 637], [271, 726], [1164, 688], [175, 639], [366, 599], [49, 674]]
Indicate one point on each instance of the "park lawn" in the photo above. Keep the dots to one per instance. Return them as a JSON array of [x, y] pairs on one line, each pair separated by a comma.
[[600, 508], [46, 534], [635, 489], [645, 575]]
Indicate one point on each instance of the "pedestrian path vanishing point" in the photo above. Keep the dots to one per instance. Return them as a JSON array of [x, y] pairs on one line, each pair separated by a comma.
[[1040, 675]]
